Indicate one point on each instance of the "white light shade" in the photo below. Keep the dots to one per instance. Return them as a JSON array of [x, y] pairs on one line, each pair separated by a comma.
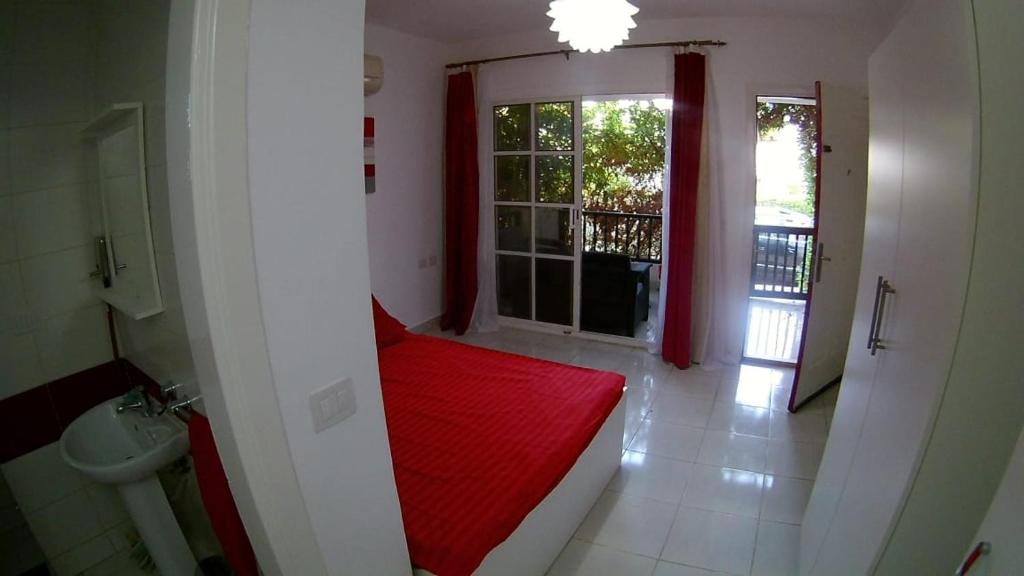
[[592, 25]]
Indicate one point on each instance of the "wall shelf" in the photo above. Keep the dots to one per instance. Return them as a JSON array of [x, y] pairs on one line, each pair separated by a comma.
[[115, 116]]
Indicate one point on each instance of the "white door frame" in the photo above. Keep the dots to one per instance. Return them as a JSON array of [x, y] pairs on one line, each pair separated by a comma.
[[578, 230], [212, 229]]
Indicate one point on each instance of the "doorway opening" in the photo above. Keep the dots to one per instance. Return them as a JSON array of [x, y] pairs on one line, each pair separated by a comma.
[[623, 185], [784, 227]]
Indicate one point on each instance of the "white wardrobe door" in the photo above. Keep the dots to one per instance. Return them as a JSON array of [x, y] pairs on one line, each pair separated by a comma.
[[930, 278], [885, 181], [982, 409]]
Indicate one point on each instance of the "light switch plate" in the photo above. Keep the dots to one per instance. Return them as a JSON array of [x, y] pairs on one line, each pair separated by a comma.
[[332, 404]]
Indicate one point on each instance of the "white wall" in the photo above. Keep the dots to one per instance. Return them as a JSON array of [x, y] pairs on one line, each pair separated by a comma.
[[764, 56], [404, 217], [50, 323], [309, 237]]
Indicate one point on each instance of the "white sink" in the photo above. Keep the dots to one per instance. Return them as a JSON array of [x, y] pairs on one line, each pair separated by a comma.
[[126, 450], [116, 448]]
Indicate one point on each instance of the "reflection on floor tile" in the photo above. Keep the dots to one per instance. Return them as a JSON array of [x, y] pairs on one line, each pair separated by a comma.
[[629, 523], [584, 559], [651, 476], [715, 475], [796, 459], [724, 490], [712, 540], [778, 549], [669, 440], [785, 499], [740, 419], [733, 450]]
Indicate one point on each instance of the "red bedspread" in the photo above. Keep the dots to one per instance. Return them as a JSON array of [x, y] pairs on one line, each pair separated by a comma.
[[479, 438]]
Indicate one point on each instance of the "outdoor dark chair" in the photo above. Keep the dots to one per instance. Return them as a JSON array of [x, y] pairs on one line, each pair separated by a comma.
[[614, 297]]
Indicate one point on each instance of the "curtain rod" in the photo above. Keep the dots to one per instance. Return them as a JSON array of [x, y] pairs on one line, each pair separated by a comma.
[[567, 53]]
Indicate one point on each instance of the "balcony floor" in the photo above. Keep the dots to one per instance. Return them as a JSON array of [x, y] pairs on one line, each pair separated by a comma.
[[646, 330], [773, 329]]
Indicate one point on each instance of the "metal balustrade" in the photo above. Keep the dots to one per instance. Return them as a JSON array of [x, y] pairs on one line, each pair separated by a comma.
[[635, 235], [781, 263]]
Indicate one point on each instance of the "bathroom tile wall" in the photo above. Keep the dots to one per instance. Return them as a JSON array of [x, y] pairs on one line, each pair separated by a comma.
[[50, 323], [157, 345], [61, 63]]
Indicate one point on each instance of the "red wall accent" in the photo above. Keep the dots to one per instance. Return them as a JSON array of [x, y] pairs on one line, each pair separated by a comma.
[[37, 417]]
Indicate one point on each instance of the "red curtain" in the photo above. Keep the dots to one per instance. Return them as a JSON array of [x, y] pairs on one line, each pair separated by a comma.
[[217, 498], [684, 179], [461, 203]]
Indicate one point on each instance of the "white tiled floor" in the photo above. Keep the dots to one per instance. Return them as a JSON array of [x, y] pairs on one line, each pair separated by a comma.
[[715, 474]]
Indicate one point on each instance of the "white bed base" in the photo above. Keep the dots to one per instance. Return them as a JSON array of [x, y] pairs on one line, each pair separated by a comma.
[[533, 546]]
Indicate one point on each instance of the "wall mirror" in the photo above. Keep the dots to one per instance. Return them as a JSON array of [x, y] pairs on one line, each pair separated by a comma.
[[125, 261]]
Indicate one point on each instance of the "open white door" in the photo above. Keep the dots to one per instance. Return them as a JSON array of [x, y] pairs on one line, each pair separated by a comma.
[[841, 194]]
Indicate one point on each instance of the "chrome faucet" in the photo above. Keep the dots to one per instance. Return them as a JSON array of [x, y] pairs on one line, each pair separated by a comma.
[[136, 399]]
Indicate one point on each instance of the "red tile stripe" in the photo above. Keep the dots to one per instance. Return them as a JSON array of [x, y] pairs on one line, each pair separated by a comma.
[[37, 417]]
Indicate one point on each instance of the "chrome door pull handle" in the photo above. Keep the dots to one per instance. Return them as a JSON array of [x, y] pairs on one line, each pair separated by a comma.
[[821, 258], [883, 290], [874, 313]]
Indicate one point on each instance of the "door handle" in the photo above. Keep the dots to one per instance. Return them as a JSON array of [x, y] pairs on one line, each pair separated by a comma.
[[874, 313], [821, 258], [882, 290]]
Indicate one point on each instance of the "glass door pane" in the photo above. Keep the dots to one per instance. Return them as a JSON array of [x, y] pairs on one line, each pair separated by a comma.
[[555, 179], [512, 228], [552, 232], [514, 286], [554, 290], [512, 178]]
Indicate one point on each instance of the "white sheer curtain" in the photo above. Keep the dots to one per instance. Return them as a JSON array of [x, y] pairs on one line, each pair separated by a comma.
[[485, 313], [708, 347]]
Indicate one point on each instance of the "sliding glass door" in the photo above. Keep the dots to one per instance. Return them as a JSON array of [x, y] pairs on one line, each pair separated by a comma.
[[536, 167]]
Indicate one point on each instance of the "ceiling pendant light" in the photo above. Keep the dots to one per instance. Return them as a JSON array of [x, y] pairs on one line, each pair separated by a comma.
[[592, 25]]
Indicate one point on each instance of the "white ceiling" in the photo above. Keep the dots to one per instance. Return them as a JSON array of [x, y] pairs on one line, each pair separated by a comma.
[[459, 20]]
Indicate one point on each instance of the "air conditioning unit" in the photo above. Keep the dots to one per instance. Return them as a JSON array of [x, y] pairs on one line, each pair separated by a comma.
[[373, 74]]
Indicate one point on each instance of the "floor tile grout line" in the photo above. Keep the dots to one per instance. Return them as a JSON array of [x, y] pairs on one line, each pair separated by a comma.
[[675, 517]]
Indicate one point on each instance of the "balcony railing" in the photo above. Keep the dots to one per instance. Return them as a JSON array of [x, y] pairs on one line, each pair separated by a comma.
[[635, 235], [781, 264]]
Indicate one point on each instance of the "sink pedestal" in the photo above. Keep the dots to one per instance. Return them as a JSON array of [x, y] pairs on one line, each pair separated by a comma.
[[147, 505]]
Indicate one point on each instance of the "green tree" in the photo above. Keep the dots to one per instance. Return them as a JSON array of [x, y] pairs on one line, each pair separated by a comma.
[[773, 117], [623, 156]]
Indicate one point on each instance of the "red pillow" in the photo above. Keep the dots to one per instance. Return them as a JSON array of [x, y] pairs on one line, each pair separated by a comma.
[[388, 330]]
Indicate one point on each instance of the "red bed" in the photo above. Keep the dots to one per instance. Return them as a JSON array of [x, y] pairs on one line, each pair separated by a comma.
[[479, 438]]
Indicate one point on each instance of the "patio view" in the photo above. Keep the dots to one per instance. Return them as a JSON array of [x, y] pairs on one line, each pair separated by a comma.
[[784, 241], [623, 171]]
